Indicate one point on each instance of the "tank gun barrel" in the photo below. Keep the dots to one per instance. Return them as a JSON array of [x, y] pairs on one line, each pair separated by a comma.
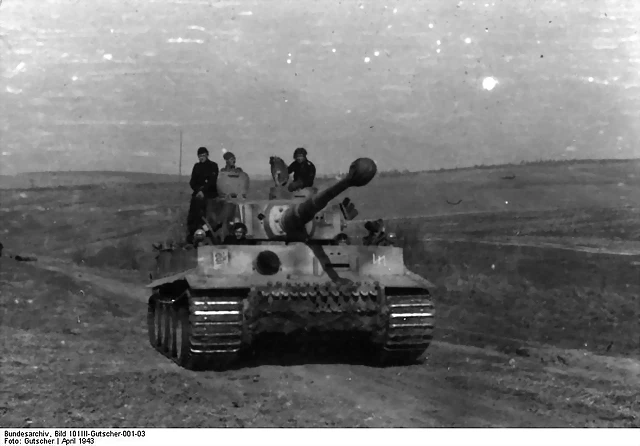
[[361, 172]]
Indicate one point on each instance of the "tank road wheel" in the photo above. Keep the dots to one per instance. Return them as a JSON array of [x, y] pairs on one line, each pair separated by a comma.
[[409, 326], [178, 335], [182, 340], [174, 348], [162, 325], [153, 319], [165, 328]]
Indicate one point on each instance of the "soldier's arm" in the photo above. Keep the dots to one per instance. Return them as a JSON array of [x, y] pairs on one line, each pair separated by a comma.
[[192, 181], [291, 167], [311, 176]]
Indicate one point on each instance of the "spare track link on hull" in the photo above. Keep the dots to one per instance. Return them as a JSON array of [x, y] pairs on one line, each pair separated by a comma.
[[410, 325], [197, 332]]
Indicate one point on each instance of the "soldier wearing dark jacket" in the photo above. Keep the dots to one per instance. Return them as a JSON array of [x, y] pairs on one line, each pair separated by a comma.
[[303, 170], [204, 175], [203, 183]]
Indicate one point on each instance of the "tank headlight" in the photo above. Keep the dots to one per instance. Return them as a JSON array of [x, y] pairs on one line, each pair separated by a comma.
[[199, 235]]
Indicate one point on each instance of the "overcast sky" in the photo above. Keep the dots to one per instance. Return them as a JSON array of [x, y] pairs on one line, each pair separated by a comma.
[[109, 84]]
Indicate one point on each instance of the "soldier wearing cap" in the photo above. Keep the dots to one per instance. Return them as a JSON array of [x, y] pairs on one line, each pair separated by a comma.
[[203, 183], [230, 166], [376, 235], [304, 171]]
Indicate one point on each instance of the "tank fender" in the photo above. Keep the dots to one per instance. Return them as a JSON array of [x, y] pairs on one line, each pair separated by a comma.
[[172, 278], [421, 280]]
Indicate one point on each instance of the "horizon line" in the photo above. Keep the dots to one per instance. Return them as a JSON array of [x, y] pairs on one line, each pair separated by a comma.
[[443, 169]]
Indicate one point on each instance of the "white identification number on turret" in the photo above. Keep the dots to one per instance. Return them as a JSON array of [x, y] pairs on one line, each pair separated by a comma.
[[379, 260], [220, 258]]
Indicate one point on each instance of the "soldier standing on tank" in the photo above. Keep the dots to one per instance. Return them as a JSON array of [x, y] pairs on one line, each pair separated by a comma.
[[304, 171], [203, 183], [230, 166]]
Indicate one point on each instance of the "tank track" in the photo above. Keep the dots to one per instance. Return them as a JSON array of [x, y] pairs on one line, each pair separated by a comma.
[[207, 331], [409, 330], [197, 332]]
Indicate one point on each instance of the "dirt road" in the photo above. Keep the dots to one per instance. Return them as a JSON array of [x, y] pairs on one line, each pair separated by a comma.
[[76, 354]]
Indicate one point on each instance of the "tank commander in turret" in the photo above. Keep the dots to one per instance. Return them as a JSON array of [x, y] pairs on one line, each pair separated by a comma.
[[230, 163], [238, 235], [304, 171], [203, 183]]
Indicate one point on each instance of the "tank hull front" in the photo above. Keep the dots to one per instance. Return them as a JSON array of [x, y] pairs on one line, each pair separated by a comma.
[[206, 316]]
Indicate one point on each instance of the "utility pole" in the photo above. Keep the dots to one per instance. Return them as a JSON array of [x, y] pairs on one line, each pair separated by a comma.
[[180, 162]]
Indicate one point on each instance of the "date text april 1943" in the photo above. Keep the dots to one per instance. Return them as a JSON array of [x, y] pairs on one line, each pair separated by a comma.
[[65, 437]]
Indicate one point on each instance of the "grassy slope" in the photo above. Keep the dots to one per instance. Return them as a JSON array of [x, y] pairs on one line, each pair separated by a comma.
[[530, 295]]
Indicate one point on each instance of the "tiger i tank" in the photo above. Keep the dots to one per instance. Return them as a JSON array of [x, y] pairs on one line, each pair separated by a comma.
[[296, 272]]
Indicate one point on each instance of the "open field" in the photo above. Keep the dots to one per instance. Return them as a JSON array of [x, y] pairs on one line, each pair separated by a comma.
[[528, 334]]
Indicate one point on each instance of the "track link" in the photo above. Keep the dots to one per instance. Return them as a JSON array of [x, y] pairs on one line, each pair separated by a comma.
[[318, 300], [197, 332], [410, 325]]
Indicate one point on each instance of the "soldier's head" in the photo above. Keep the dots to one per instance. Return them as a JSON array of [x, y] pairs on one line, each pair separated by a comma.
[[374, 227], [230, 159], [239, 230], [203, 154], [342, 239], [300, 154]]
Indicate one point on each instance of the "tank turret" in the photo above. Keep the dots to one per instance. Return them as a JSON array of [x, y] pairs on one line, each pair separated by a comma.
[[304, 215], [294, 219]]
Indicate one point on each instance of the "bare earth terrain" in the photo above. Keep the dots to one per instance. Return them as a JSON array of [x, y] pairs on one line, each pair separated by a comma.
[[532, 328]]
